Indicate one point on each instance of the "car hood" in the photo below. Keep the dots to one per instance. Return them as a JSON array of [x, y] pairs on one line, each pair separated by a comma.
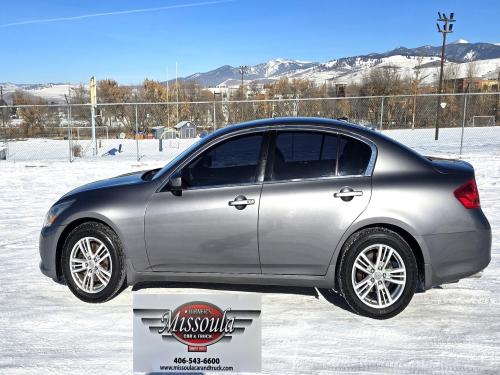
[[125, 179]]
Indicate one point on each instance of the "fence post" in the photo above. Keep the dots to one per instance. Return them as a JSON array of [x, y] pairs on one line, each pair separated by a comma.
[[69, 132], [381, 113], [215, 126], [463, 125], [137, 134], [4, 113]]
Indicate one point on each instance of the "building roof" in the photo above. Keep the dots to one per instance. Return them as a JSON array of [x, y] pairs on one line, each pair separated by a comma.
[[182, 124]]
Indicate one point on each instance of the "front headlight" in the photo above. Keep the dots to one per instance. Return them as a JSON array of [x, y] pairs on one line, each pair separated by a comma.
[[54, 212]]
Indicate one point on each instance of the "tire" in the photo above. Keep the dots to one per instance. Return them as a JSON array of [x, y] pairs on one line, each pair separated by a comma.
[[106, 269], [388, 290]]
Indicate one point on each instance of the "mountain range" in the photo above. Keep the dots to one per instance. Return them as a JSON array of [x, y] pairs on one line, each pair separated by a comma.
[[460, 54], [346, 68]]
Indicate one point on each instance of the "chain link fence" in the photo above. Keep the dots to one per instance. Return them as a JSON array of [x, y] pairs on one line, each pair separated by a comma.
[[467, 124]]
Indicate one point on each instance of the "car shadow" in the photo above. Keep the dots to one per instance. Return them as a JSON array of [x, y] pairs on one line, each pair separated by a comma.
[[328, 294]]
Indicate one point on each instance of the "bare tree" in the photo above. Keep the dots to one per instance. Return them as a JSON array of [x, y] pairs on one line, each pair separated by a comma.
[[109, 91], [36, 116], [415, 86], [471, 75]]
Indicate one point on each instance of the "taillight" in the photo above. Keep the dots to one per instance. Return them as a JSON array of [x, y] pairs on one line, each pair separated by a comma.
[[468, 194]]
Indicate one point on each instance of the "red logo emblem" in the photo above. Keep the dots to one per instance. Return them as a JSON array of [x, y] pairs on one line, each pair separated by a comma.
[[197, 324]]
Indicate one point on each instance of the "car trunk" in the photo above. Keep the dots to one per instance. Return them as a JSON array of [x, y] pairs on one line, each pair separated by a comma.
[[452, 166]]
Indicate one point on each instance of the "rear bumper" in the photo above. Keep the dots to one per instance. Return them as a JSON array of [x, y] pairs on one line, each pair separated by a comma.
[[47, 246], [454, 256]]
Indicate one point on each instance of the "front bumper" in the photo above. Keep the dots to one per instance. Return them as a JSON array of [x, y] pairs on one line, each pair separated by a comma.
[[47, 246], [454, 256]]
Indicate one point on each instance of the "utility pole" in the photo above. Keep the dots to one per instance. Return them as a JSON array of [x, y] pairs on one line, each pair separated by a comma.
[[168, 94], [243, 69], [177, 88], [447, 28]]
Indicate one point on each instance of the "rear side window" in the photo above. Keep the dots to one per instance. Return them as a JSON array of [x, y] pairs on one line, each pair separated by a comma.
[[230, 162], [354, 157], [300, 155]]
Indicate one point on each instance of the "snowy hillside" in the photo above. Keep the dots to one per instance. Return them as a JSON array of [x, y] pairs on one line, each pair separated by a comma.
[[352, 73], [51, 92], [350, 69]]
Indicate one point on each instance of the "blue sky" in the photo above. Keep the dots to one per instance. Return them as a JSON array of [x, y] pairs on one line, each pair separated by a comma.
[[202, 35]]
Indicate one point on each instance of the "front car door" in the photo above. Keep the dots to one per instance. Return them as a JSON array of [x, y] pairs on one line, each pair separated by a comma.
[[212, 225], [317, 183]]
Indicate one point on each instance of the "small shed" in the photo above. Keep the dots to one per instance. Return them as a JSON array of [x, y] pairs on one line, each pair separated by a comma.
[[157, 131], [169, 134], [186, 129]]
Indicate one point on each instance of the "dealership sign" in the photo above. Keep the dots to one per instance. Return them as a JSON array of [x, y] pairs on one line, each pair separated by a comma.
[[192, 332]]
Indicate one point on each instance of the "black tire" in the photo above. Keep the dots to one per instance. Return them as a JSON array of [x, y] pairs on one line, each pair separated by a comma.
[[353, 247], [109, 238]]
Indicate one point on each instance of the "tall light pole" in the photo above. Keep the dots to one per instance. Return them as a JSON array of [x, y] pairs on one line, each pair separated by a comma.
[[168, 94], [243, 69], [447, 27], [177, 88]]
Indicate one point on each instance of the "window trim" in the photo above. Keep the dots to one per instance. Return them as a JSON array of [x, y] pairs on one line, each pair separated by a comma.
[[268, 131], [338, 133]]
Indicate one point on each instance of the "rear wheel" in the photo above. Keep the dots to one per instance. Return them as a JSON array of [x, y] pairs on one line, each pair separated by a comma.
[[378, 273], [93, 263]]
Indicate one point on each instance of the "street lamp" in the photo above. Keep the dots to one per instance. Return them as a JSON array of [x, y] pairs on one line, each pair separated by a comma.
[[243, 69], [445, 28]]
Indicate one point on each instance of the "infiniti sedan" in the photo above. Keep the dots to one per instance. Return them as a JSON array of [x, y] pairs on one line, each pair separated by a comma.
[[291, 201]]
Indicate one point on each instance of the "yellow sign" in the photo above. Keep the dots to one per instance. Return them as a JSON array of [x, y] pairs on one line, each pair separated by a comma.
[[93, 95]]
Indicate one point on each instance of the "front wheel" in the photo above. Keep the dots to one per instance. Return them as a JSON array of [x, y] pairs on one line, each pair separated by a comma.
[[378, 273], [93, 263]]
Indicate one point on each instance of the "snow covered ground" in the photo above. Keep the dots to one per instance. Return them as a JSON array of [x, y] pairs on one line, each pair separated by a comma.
[[474, 141], [44, 329]]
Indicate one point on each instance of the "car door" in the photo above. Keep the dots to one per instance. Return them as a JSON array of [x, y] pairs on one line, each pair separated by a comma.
[[211, 225], [317, 183]]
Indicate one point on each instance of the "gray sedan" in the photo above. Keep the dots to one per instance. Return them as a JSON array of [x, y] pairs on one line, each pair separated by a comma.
[[292, 201]]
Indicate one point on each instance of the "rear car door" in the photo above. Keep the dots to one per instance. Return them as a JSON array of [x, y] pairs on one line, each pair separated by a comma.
[[317, 183], [212, 225]]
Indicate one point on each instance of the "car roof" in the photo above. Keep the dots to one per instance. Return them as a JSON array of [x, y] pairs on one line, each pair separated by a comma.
[[333, 123], [393, 148], [395, 156]]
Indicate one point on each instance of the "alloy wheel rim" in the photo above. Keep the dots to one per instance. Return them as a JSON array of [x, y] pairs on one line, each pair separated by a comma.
[[90, 265], [378, 276]]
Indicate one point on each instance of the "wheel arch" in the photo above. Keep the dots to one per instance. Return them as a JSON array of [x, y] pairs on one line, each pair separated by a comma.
[[66, 232], [402, 230]]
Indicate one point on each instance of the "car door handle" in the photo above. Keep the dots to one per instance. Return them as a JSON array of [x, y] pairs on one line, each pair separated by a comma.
[[240, 202], [243, 202], [347, 194]]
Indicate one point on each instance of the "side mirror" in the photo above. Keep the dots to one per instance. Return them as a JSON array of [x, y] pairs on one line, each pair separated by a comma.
[[175, 185]]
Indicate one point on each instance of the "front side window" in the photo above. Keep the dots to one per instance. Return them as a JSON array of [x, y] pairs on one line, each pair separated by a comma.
[[300, 155], [231, 162]]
